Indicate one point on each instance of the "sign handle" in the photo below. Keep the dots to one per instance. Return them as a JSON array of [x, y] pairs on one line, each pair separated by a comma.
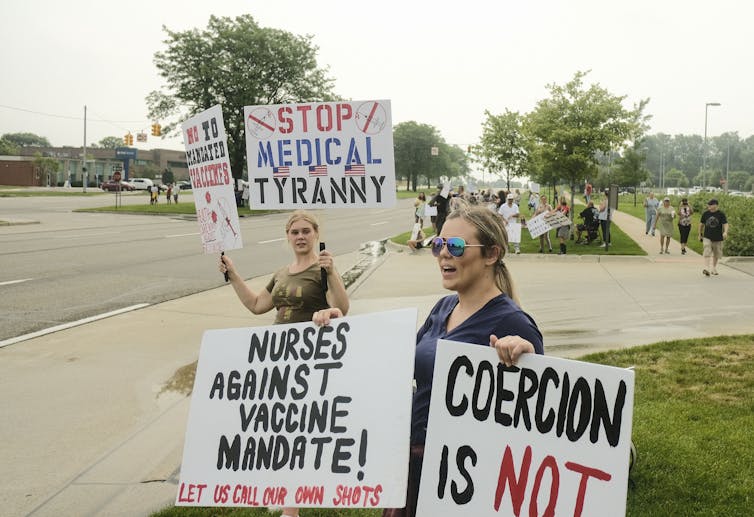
[[222, 254]]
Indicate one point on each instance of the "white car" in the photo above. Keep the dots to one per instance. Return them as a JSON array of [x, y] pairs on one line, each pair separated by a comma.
[[141, 183]]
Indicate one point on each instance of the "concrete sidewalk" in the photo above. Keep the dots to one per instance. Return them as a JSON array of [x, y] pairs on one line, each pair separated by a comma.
[[88, 429]]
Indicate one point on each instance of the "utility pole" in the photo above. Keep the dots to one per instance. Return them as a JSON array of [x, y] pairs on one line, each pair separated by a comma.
[[85, 175]]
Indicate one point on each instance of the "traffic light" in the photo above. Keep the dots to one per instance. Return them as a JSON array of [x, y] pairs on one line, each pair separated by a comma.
[[128, 139], [156, 129]]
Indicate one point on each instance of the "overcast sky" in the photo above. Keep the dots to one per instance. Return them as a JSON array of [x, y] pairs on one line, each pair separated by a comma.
[[440, 63]]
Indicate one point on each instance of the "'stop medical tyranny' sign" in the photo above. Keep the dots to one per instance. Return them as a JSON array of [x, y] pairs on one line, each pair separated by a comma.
[[320, 155]]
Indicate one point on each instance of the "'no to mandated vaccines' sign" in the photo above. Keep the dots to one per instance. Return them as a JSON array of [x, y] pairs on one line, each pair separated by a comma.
[[300, 415], [320, 155], [212, 181], [548, 436]]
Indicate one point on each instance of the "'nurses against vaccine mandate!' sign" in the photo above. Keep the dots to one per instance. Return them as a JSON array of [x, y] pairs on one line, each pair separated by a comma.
[[548, 436], [300, 415], [320, 155], [212, 181]]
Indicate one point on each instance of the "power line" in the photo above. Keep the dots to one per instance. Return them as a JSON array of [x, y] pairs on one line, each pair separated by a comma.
[[69, 117]]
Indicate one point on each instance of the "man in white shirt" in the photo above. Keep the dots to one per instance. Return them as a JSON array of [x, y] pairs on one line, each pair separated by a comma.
[[509, 212]]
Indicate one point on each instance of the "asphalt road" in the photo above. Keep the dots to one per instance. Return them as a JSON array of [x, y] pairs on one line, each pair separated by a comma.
[[73, 265]]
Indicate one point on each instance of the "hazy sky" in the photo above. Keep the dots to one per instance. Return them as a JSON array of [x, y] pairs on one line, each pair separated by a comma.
[[440, 63]]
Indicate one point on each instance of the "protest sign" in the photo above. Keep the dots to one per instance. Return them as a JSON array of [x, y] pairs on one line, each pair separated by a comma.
[[212, 181], [320, 155], [545, 222], [415, 231], [549, 436], [300, 415], [513, 229]]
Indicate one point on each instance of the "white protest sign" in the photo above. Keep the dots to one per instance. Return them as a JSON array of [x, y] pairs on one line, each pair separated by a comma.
[[534, 187], [320, 155], [514, 231], [430, 211], [212, 181], [549, 436], [415, 231], [545, 222], [300, 415]]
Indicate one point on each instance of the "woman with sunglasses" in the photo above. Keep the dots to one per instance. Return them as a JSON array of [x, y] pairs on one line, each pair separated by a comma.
[[484, 310]]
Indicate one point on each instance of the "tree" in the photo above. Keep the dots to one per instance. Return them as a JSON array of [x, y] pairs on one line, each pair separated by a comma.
[[629, 169], [26, 140], [168, 177], [46, 166], [7, 148], [676, 178], [235, 63], [502, 148], [571, 127], [110, 142], [412, 147]]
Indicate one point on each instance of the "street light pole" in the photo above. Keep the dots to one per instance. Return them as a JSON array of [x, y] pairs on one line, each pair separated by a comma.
[[704, 150]]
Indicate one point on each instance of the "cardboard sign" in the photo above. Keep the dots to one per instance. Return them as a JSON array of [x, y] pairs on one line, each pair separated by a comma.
[[545, 222], [320, 155], [514, 231], [212, 181], [549, 436], [300, 415]]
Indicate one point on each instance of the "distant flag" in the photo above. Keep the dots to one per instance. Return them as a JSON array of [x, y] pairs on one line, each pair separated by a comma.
[[355, 170], [318, 170], [281, 172]]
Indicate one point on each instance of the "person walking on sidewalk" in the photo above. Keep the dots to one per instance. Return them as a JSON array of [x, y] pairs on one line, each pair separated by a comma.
[[510, 214], [713, 230], [295, 291], [664, 219], [684, 223], [650, 212], [484, 310]]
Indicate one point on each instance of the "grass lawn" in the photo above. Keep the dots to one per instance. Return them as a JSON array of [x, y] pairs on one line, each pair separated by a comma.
[[692, 427]]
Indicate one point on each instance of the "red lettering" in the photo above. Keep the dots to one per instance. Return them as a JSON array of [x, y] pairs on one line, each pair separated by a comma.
[[247, 495], [192, 135], [343, 112], [193, 493], [548, 462], [518, 484], [508, 474], [586, 473], [286, 122], [359, 495], [274, 496], [304, 110], [324, 123], [221, 493], [310, 494]]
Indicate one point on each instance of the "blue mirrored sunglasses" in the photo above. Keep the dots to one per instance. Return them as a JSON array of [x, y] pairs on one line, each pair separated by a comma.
[[456, 246]]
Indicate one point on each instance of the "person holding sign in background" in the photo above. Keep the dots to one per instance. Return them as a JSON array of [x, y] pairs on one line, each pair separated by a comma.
[[296, 291], [484, 310]]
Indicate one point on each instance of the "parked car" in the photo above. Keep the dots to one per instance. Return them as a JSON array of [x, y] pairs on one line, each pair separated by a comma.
[[184, 185], [141, 183], [113, 186]]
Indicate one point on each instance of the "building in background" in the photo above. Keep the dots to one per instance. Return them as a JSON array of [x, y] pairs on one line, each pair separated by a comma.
[[22, 170]]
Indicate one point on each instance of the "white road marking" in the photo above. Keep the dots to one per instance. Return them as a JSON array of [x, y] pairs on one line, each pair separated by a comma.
[[380, 223], [72, 324], [81, 235], [271, 240], [11, 282], [181, 235]]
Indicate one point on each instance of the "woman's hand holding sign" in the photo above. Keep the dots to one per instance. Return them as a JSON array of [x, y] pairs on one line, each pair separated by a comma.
[[510, 348]]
